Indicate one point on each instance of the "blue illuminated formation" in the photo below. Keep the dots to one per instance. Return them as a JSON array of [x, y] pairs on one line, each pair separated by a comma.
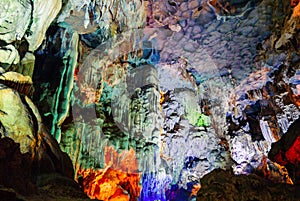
[[150, 53], [176, 193], [153, 189], [157, 188]]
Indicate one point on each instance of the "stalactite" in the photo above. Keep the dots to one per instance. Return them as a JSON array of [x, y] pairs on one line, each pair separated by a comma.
[[63, 95]]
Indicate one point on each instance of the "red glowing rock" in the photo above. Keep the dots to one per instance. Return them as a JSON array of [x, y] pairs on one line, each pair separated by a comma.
[[279, 158], [293, 153], [286, 151]]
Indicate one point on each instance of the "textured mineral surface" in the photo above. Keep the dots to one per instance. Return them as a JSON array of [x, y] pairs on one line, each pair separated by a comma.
[[168, 100]]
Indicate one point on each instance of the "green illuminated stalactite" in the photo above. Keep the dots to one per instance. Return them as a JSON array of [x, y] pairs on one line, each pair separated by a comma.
[[61, 105]]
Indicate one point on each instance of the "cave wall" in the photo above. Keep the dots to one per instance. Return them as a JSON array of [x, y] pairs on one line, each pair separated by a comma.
[[177, 88]]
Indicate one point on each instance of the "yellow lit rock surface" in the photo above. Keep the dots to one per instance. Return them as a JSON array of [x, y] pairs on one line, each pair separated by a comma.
[[14, 117]]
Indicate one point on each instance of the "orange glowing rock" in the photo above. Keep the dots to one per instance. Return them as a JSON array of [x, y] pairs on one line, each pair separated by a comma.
[[283, 171], [162, 97], [296, 5], [195, 190], [119, 181], [120, 197], [277, 174], [296, 99]]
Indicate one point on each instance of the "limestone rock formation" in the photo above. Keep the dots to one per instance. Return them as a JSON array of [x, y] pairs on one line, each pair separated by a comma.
[[224, 185], [20, 128], [43, 14], [23, 178], [147, 97], [15, 19], [9, 56], [16, 167]]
